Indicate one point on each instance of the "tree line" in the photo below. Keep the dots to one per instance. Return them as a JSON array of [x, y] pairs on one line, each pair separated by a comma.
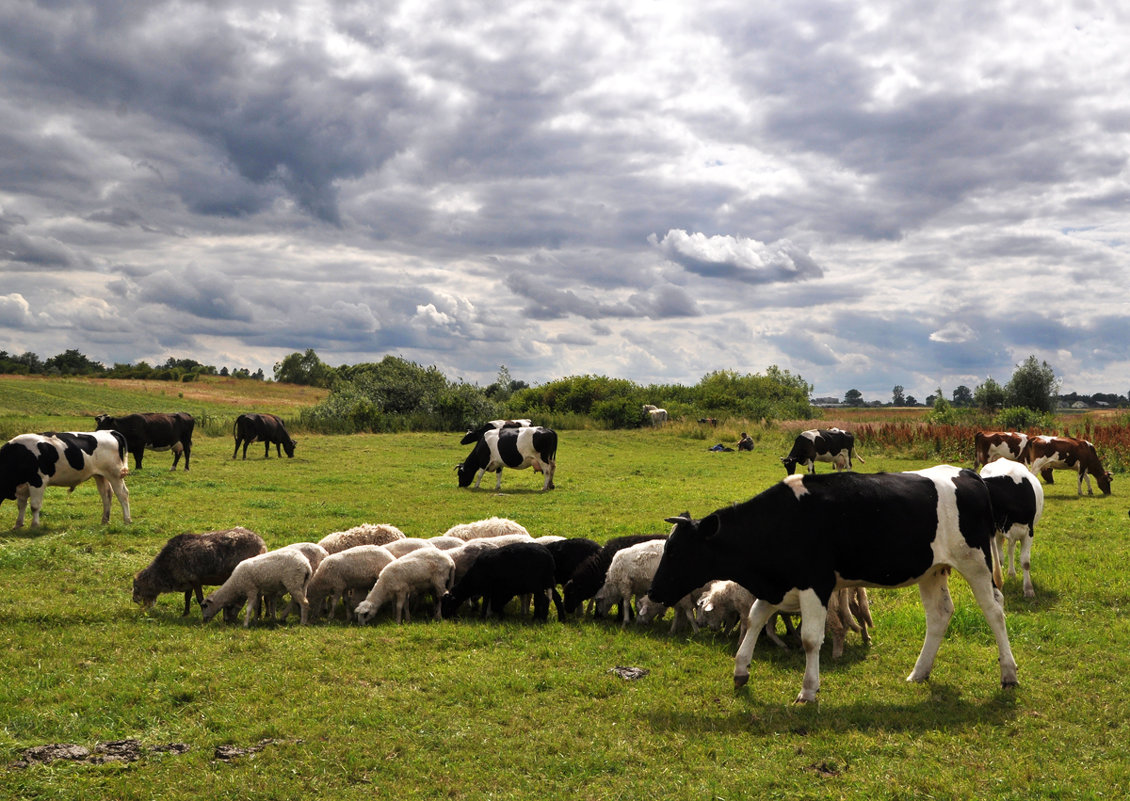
[[73, 363]]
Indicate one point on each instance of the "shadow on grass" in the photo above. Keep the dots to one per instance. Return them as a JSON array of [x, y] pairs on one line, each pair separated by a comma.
[[945, 709]]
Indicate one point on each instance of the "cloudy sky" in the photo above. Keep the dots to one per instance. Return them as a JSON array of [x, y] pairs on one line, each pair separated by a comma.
[[867, 194]]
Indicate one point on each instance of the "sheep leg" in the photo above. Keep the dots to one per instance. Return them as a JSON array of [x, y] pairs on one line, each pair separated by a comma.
[[557, 604], [187, 602]]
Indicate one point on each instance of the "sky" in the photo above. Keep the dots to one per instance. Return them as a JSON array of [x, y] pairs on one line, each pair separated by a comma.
[[864, 194]]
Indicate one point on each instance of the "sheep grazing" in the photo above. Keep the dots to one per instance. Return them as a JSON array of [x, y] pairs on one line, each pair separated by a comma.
[[491, 527], [364, 534], [267, 574], [315, 553], [189, 561], [419, 571], [629, 576], [568, 554], [465, 556], [399, 548], [353, 570], [499, 574], [589, 576], [648, 610]]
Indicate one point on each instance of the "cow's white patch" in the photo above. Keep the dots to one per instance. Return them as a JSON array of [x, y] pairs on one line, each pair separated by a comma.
[[796, 484]]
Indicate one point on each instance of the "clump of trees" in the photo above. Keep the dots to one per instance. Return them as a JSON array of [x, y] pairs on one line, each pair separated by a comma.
[[73, 363]]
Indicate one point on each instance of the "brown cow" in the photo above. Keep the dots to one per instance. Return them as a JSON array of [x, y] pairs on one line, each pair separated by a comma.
[[1055, 453], [993, 445]]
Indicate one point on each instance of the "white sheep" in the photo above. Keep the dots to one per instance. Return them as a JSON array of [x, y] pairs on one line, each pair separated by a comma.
[[352, 570], [445, 543], [419, 571], [629, 575], [399, 548], [315, 553], [490, 527], [268, 573], [546, 539], [364, 534]]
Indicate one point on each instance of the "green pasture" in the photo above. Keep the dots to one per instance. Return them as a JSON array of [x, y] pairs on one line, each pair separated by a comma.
[[469, 710]]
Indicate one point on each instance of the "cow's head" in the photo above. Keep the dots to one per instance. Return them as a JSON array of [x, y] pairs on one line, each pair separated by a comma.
[[687, 559], [790, 464], [288, 447], [1104, 482], [466, 474]]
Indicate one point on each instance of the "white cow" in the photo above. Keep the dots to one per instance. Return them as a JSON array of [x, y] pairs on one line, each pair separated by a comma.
[[30, 463]]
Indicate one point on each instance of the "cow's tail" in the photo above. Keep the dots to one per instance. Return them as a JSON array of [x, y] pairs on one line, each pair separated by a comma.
[[998, 575]]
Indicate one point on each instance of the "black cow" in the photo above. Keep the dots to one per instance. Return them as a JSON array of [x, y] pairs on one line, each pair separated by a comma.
[[500, 574], [517, 448], [265, 428], [809, 535], [158, 431], [821, 445]]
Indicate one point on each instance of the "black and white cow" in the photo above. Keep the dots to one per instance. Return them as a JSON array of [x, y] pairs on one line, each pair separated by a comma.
[[517, 448], [265, 428], [809, 535], [822, 445], [1018, 503], [157, 431], [30, 463], [474, 434]]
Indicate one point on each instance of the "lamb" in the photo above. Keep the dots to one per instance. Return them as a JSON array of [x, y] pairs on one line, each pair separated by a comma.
[[445, 543], [354, 569], [726, 603], [589, 576], [364, 534], [313, 552], [273, 572], [189, 561], [629, 575], [499, 574], [490, 527], [648, 610], [419, 571], [399, 548]]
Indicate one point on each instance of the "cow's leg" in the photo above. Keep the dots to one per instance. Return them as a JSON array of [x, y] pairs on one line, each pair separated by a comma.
[[813, 618], [759, 615], [106, 494], [119, 488], [552, 466], [498, 484], [980, 581], [1083, 474], [267, 450], [935, 593], [21, 505], [479, 477], [1026, 564], [187, 454], [137, 454]]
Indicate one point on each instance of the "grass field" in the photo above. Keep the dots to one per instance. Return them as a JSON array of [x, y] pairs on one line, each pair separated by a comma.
[[467, 710]]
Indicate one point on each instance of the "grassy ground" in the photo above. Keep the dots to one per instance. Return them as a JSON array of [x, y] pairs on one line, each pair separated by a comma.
[[467, 710]]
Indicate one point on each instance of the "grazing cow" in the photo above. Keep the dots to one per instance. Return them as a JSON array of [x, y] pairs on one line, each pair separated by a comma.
[[265, 428], [993, 445], [822, 445], [804, 538], [656, 415], [517, 448], [1018, 503], [474, 434], [1056, 453], [160, 432], [30, 463]]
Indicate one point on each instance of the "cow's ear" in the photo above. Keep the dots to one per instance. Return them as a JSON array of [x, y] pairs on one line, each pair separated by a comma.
[[709, 526], [685, 517]]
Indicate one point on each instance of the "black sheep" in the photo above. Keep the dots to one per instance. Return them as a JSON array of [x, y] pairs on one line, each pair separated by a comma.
[[569, 554], [500, 574], [189, 561], [589, 575]]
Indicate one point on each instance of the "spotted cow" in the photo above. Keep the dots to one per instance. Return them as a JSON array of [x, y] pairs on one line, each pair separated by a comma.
[[517, 448], [993, 445], [822, 445], [30, 463], [1066, 453]]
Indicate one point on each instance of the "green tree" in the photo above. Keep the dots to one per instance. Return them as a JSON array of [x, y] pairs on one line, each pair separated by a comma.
[[306, 369], [1034, 386], [71, 362], [963, 396], [898, 396], [853, 397], [989, 396]]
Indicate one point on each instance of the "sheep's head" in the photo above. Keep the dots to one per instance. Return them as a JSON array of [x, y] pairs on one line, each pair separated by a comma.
[[365, 612], [143, 592], [209, 608]]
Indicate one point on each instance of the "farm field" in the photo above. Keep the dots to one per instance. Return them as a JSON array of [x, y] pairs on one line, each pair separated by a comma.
[[469, 710]]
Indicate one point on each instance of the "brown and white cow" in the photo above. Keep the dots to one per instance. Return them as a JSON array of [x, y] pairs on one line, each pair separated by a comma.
[[1045, 454], [993, 445]]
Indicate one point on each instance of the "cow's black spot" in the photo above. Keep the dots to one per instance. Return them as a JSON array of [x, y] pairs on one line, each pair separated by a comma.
[[77, 447], [508, 447], [45, 464]]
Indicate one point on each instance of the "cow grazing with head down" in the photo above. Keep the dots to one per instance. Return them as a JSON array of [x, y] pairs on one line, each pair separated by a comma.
[[1066, 453], [265, 428], [1018, 503], [517, 448], [475, 434], [993, 445], [804, 538], [30, 463], [157, 431], [821, 445]]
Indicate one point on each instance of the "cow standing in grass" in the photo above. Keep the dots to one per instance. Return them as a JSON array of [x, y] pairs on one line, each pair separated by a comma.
[[804, 538], [153, 430], [516, 448], [265, 428]]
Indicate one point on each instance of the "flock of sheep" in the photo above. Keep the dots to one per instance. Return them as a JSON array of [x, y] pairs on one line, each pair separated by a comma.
[[355, 573]]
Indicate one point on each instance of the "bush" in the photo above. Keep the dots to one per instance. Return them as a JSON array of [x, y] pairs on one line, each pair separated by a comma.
[[1021, 418]]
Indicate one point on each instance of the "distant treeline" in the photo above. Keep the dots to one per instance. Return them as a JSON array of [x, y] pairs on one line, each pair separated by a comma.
[[72, 362]]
